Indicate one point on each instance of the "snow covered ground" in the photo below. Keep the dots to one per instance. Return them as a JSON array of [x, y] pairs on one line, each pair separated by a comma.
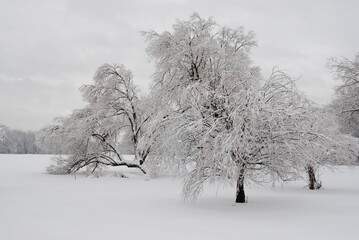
[[34, 205]]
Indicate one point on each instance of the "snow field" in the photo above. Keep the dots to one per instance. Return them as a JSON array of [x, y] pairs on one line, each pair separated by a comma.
[[35, 205]]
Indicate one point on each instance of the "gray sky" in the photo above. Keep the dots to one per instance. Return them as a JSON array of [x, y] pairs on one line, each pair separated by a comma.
[[48, 49]]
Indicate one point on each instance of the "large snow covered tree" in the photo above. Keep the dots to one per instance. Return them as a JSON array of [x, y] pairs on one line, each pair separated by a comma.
[[221, 122], [347, 93], [92, 135]]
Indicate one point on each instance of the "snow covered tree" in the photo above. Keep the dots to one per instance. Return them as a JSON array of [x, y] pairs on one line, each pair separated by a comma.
[[6, 143], [115, 92], [220, 120], [92, 135], [324, 144], [347, 93]]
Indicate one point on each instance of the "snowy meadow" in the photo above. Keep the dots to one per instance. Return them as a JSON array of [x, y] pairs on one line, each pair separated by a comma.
[[36, 205]]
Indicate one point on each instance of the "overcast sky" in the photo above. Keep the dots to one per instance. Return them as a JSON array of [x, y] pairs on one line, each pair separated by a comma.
[[48, 49]]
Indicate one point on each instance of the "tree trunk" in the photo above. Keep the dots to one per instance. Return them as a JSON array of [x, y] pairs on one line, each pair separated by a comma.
[[313, 184], [240, 195]]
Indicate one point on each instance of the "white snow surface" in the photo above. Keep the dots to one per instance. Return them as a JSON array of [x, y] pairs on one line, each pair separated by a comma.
[[35, 205]]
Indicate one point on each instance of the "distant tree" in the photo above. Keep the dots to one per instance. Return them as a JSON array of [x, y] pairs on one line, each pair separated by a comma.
[[92, 135], [14, 141], [2, 134], [347, 93], [6, 143]]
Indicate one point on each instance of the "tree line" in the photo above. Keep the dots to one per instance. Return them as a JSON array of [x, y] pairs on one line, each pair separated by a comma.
[[210, 116], [13, 141]]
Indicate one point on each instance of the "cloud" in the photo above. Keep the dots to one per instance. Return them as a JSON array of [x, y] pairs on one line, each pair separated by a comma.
[[29, 103]]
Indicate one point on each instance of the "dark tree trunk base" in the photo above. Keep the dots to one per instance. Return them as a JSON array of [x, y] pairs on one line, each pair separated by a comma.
[[240, 195], [313, 183]]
